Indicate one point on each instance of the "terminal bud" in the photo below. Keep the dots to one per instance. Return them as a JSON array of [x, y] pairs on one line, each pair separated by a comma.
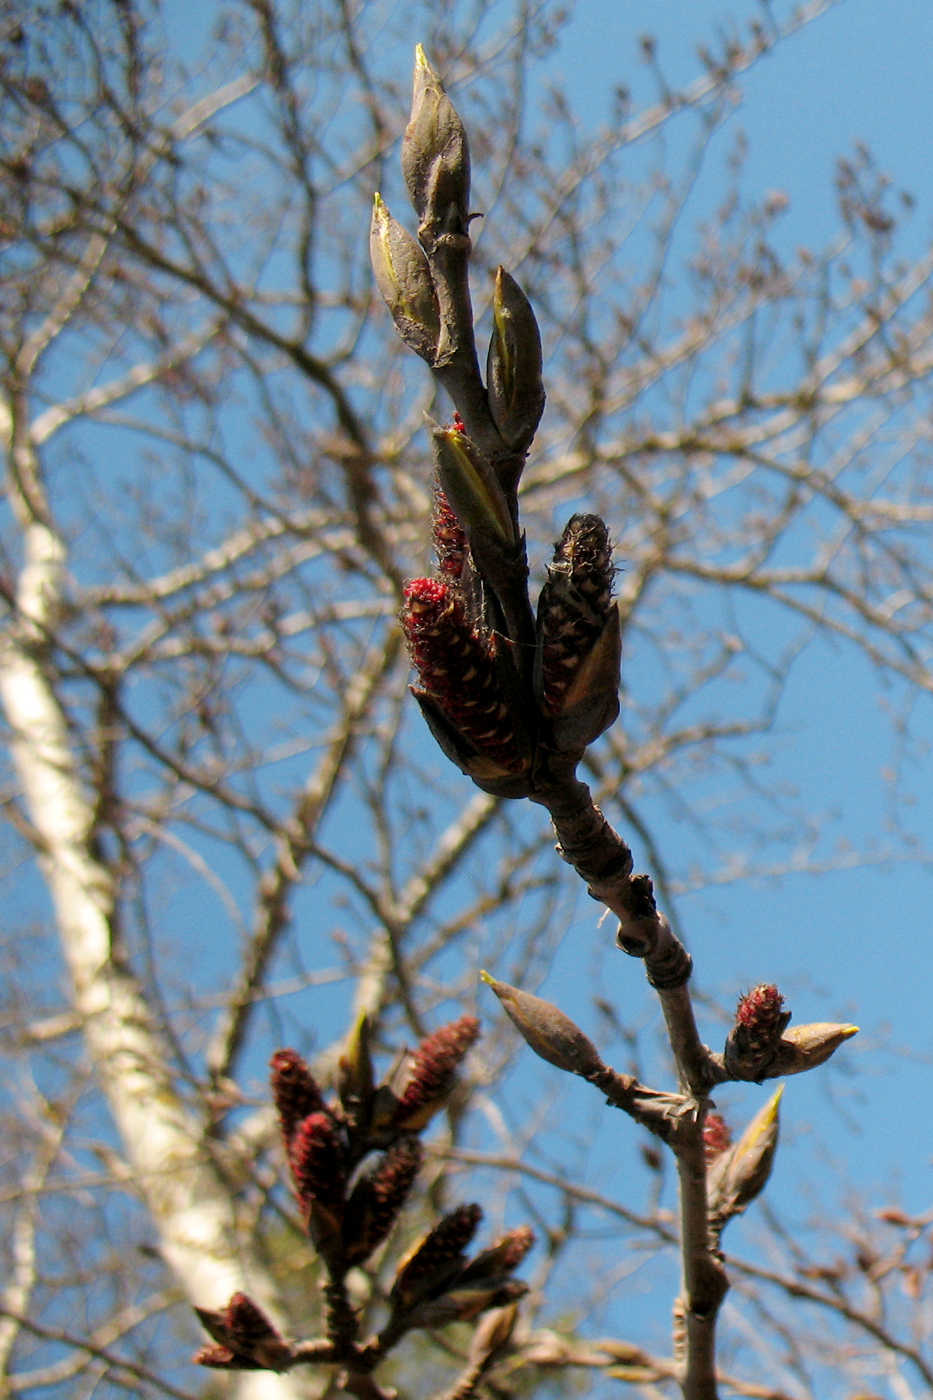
[[435, 153]]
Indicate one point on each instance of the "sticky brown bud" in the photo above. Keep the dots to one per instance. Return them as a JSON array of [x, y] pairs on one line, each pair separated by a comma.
[[435, 153], [550, 1033], [253, 1334], [513, 366], [464, 1304], [221, 1358], [404, 279]]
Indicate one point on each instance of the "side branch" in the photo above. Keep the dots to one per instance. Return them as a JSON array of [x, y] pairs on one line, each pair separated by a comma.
[[602, 858]]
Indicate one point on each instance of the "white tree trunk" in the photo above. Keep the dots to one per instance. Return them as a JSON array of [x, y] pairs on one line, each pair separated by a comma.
[[191, 1208]]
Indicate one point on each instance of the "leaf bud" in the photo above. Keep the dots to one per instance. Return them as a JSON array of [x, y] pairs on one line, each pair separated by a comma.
[[804, 1047], [740, 1173], [471, 486], [492, 1334], [464, 1304], [514, 385], [435, 153], [547, 1030], [404, 279], [355, 1072], [222, 1358]]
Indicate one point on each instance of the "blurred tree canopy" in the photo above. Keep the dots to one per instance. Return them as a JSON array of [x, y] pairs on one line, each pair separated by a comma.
[[227, 830]]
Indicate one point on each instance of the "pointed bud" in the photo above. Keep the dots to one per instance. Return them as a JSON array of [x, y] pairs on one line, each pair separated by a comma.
[[804, 1047], [435, 153], [740, 1174], [355, 1073], [514, 384], [377, 1199], [433, 1072], [760, 1020], [404, 279], [892, 1215], [550, 1033], [492, 1335], [437, 1259], [472, 487], [458, 670], [294, 1091]]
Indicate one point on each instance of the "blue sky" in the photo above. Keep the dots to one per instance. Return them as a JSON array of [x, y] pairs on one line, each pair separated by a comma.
[[854, 941], [851, 943]]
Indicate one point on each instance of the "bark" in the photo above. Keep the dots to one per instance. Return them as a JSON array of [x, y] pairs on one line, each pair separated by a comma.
[[191, 1208]]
